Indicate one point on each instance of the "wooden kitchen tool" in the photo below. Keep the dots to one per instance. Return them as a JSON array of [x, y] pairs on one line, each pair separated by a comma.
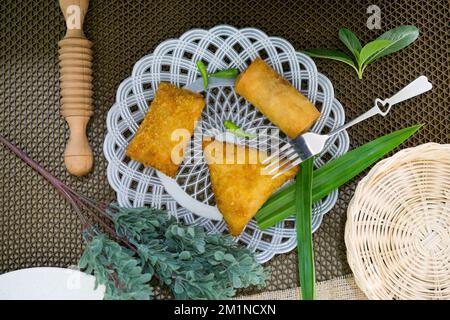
[[75, 61]]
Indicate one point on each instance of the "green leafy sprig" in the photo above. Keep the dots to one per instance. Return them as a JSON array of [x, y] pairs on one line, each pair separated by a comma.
[[127, 249], [115, 267], [193, 263], [389, 42], [226, 73]]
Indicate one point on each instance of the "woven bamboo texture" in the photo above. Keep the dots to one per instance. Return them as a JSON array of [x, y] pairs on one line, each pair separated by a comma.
[[398, 226]]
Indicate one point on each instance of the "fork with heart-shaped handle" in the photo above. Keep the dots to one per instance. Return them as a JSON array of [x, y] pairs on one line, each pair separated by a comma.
[[310, 144]]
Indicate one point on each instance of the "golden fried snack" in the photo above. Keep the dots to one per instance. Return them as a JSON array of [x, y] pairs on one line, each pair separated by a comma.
[[166, 129], [276, 98], [240, 189]]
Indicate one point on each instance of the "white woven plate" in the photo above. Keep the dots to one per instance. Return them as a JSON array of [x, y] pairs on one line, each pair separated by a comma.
[[175, 61], [398, 226]]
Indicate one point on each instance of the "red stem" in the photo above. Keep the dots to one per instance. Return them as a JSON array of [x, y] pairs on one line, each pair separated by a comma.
[[73, 197], [38, 167]]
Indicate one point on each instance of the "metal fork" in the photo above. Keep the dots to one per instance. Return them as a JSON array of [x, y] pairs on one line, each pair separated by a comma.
[[310, 144]]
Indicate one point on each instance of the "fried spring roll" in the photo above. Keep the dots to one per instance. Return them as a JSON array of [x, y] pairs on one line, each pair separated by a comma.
[[173, 112], [276, 98], [240, 186]]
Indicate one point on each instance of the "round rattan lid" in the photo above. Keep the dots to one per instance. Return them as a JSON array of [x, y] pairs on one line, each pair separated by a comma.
[[398, 226]]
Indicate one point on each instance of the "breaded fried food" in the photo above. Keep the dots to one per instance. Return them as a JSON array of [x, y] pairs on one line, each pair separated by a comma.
[[166, 129], [240, 189], [276, 98]]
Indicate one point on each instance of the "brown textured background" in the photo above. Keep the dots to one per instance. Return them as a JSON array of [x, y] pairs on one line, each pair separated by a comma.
[[37, 228]]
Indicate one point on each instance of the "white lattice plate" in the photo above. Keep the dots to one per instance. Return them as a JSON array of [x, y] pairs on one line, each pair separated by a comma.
[[189, 197]]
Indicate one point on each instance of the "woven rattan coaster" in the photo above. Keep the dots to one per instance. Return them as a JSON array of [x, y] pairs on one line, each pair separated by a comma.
[[398, 226]]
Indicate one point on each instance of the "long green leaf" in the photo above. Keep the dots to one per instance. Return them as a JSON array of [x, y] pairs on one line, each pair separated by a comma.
[[351, 41], [332, 175], [332, 54], [303, 212], [371, 49], [400, 38]]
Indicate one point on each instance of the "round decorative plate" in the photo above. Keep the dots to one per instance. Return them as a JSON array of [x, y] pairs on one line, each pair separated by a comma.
[[49, 284], [398, 226], [188, 197]]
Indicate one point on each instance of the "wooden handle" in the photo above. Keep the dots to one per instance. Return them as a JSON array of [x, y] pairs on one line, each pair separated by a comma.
[[78, 155], [75, 60]]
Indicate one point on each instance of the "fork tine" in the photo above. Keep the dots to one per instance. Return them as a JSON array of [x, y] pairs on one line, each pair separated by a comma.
[[285, 162], [275, 154], [289, 167], [283, 156]]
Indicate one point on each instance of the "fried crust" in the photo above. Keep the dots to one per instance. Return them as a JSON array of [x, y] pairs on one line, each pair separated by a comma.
[[276, 98], [240, 190], [171, 109]]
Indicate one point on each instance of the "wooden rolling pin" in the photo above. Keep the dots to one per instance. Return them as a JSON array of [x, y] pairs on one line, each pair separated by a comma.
[[75, 62]]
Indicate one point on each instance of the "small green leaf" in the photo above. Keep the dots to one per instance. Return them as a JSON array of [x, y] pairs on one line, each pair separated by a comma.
[[400, 38], [351, 42], [209, 277], [226, 73], [200, 248], [178, 288], [180, 232], [233, 128], [191, 231], [96, 247], [203, 72], [83, 261], [229, 257], [145, 278], [237, 283], [185, 255], [230, 125], [219, 255], [371, 49], [332, 54]]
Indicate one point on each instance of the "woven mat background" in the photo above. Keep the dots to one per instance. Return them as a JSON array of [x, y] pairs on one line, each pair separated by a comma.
[[37, 228], [340, 288]]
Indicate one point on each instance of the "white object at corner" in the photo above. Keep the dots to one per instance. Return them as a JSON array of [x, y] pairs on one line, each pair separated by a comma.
[[49, 284]]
